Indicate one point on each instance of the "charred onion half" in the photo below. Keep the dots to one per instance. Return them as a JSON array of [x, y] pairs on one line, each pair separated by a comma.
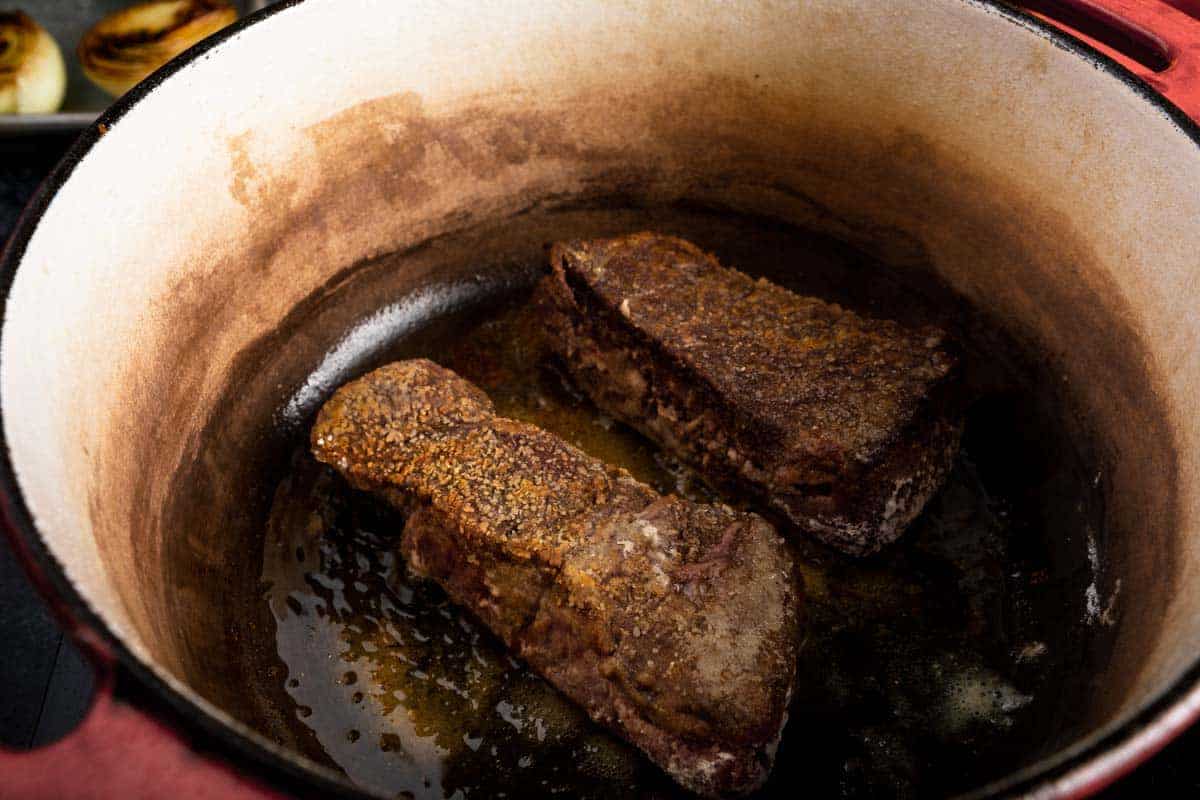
[[33, 78], [126, 46]]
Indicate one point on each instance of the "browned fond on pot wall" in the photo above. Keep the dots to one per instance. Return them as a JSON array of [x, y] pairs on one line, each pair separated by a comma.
[[754, 147]]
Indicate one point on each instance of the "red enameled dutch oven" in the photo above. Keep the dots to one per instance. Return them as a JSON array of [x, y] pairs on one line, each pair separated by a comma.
[[1048, 177]]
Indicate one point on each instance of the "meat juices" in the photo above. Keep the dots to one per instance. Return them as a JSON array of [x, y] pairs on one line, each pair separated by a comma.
[[837, 421], [673, 623]]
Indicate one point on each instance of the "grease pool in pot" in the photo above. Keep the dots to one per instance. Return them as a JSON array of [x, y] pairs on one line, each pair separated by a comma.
[[946, 661]]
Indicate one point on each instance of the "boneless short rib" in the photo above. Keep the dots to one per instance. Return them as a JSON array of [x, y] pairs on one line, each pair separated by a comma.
[[673, 623], [838, 421]]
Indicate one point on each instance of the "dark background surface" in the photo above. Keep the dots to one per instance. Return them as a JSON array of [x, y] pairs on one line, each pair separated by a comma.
[[45, 685]]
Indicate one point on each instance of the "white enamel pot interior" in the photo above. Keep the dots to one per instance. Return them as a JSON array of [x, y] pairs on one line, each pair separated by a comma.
[[227, 196]]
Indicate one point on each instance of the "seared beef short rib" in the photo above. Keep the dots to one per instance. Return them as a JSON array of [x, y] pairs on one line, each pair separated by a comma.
[[673, 623], [838, 421]]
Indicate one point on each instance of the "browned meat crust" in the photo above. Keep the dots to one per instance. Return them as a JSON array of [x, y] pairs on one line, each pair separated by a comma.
[[673, 623], [838, 421]]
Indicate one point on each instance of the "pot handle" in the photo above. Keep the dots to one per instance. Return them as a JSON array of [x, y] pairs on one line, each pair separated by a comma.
[[1157, 24], [120, 750]]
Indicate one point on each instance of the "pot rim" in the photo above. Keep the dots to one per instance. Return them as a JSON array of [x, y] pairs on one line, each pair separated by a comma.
[[1080, 769]]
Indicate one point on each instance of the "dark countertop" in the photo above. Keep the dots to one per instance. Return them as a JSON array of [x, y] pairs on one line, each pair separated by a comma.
[[45, 685]]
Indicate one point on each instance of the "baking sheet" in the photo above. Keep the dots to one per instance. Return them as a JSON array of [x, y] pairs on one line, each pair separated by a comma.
[[67, 21]]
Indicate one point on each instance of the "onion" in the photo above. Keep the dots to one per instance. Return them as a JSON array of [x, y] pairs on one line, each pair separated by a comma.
[[33, 78], [126, 46]]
